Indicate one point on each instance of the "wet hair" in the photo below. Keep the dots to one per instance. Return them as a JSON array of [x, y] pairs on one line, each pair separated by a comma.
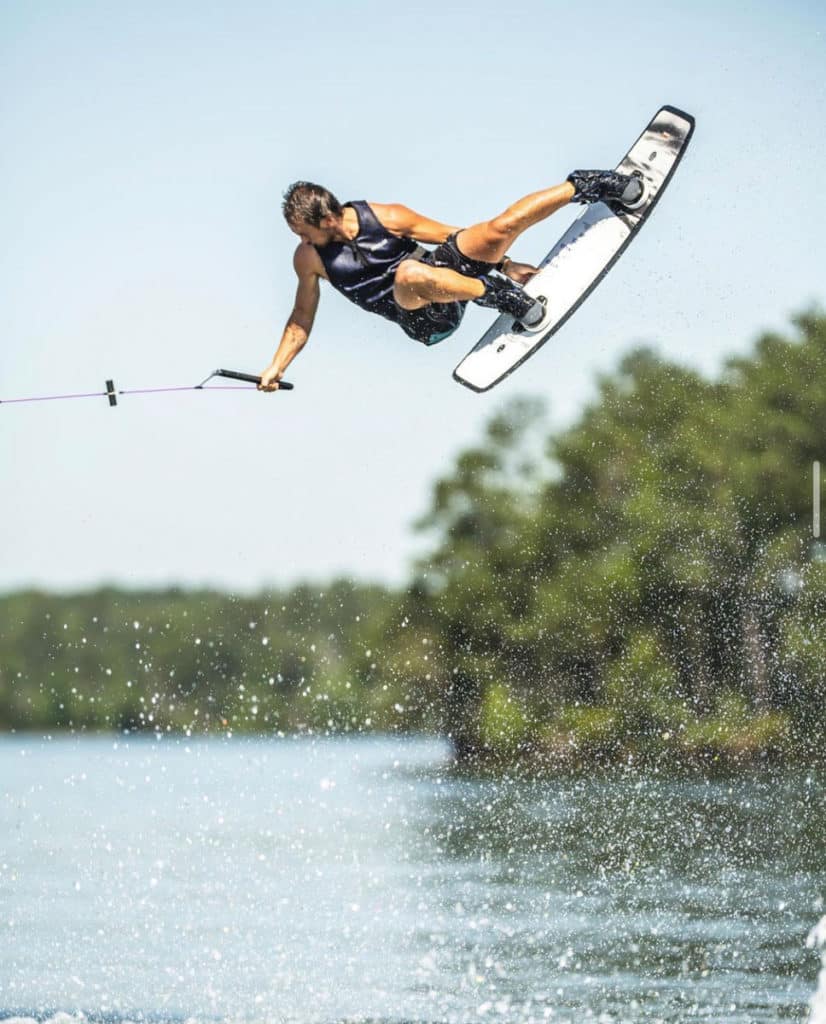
[[309, 203]]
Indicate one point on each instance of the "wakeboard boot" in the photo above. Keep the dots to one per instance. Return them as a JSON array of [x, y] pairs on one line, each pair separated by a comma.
[[607, 187], [507, 297]]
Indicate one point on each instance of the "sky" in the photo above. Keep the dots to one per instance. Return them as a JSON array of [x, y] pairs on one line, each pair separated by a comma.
[[145, 149]]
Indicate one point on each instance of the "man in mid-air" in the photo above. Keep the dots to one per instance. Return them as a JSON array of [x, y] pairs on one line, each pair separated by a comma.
[[371, 253]]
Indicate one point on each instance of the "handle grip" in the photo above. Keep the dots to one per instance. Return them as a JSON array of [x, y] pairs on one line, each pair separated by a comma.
[[283, 385]]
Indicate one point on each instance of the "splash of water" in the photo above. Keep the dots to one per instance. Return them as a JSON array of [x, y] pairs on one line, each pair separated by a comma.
[[817, 940]]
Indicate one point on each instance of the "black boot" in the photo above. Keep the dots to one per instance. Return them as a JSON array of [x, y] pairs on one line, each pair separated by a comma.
[[507, 297], [606, 186]]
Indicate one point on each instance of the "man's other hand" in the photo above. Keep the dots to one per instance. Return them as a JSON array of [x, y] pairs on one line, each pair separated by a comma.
[[519, 272]]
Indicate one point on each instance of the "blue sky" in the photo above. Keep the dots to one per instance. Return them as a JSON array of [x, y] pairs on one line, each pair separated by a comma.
[[145, 150]]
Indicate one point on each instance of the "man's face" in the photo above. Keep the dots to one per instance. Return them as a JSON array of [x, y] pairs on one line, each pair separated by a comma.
[[314, 235]]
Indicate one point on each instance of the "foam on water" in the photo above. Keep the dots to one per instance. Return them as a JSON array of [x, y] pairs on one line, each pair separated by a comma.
[[78, 1017], [817, 940]]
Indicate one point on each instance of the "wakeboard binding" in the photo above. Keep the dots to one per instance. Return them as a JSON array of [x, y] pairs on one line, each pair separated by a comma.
[[506, 297], [607, 187]]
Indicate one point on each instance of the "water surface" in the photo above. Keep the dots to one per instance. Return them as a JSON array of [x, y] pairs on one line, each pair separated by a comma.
[[321, 880]]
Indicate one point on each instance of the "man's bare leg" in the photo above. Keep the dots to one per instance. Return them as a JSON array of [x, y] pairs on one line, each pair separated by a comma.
[[491, 239], [418, 284]]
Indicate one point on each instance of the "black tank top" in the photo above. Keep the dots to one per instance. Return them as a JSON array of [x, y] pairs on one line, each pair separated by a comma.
[[363, 269]]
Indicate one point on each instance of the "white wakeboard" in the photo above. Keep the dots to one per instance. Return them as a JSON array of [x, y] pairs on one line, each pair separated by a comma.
[[583, 256]]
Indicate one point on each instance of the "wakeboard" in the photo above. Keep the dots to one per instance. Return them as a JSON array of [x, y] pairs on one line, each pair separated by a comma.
[[583, 256]]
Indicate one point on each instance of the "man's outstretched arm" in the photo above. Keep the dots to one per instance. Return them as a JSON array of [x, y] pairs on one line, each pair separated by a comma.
[[401, 220], [300, 321]]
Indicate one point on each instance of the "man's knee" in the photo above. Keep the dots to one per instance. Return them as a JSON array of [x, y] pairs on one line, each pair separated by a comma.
[[501, 228], [411, 274], [409, 283]]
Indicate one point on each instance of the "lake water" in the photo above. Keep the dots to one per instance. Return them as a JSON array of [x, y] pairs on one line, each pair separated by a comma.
[[323, 880]]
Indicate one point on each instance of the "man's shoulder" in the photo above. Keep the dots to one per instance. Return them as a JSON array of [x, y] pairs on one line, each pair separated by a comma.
[[307, 261], [393, 216]]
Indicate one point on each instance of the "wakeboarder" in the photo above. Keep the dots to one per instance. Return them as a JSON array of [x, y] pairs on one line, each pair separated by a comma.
[[375, 255]]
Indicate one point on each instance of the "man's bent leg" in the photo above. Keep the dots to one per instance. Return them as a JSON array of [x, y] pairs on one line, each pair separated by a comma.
[[490, 240], [418, 284], [448, 275]]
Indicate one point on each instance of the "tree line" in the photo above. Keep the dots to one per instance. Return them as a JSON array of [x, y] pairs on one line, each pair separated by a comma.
[[643, 585]]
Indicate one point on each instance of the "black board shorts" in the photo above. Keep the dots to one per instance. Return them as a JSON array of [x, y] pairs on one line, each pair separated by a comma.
[[432, 324]]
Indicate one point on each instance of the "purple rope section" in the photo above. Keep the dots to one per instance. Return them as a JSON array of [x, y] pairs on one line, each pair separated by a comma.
[[128, 391], [185, 387], [52, 398]]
